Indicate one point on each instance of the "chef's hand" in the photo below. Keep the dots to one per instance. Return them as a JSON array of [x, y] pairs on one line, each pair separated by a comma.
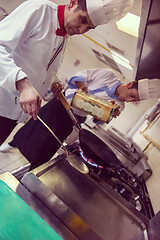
[[116, 111], [29, 99], [56, 88], [81, 85]]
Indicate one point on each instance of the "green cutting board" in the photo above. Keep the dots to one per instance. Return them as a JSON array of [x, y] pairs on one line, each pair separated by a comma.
[[18, 221]]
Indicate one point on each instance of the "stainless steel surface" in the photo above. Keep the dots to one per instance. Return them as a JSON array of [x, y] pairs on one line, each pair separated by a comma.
[[74, 119], [53, 210], [154, 229], [68, 224], [102, 209], [154, 112], [18, 173], [125, 145], [69, 110], [49, 167], [73, 161], [142, 169], [126, 151], [45, 213], [37, 206], [148, 47], [77, 164]]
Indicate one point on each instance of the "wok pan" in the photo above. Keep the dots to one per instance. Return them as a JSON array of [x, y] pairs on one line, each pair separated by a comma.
[[92, 146], [96, 149]]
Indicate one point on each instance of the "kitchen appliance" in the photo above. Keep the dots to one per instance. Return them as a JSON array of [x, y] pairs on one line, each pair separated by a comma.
[[104, 166], [85, 206], [100, 205], [77, 207]]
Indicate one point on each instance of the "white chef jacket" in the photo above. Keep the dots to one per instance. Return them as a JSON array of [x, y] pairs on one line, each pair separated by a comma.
[[28, 41], [100, 82]]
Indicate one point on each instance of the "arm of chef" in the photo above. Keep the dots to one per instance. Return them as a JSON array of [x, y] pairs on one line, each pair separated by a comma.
[[77, 82], [14, 31]]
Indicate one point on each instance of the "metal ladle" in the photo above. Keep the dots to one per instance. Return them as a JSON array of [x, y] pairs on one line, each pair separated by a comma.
[[73, 161]]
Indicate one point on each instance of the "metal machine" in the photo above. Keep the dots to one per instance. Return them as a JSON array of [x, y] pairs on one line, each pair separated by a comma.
[[109, 201]]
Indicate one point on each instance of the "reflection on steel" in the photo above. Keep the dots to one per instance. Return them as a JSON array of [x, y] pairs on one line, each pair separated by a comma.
[[128, 152], [125, 145], [39, 174], [103, 209], [154, 229], [154, 112], [3, 13], [66, 217], [148, 46]]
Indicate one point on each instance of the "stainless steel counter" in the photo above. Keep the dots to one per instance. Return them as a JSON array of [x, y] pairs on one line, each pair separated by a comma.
[[80, 206], [77, 207], [105, 212]]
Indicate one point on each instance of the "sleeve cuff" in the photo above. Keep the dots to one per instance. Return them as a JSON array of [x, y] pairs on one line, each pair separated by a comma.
[[10, 81], [74, 79]]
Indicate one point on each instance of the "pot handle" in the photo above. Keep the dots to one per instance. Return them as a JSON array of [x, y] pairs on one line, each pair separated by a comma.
[[68, 109]]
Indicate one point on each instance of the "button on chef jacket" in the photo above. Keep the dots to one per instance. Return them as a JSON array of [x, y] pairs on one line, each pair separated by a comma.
[[28, 42]]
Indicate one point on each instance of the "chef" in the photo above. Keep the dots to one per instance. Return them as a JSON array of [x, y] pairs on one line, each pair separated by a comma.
[[36, 142], [32, 39], [38, 145], [101, 82]]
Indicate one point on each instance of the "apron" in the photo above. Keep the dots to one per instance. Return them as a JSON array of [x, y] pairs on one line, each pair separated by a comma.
[[34, 140]]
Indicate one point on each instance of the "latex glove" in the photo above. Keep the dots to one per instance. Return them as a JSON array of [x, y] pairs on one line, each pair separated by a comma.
[[29, 99]]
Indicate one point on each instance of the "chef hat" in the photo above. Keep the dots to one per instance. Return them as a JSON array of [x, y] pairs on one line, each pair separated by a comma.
[[104, 11], [148, 88], [143, 90]]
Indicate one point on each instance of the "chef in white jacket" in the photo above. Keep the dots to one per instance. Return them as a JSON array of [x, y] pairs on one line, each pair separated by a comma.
[[101, 82], [31, 41], [34, 140]]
